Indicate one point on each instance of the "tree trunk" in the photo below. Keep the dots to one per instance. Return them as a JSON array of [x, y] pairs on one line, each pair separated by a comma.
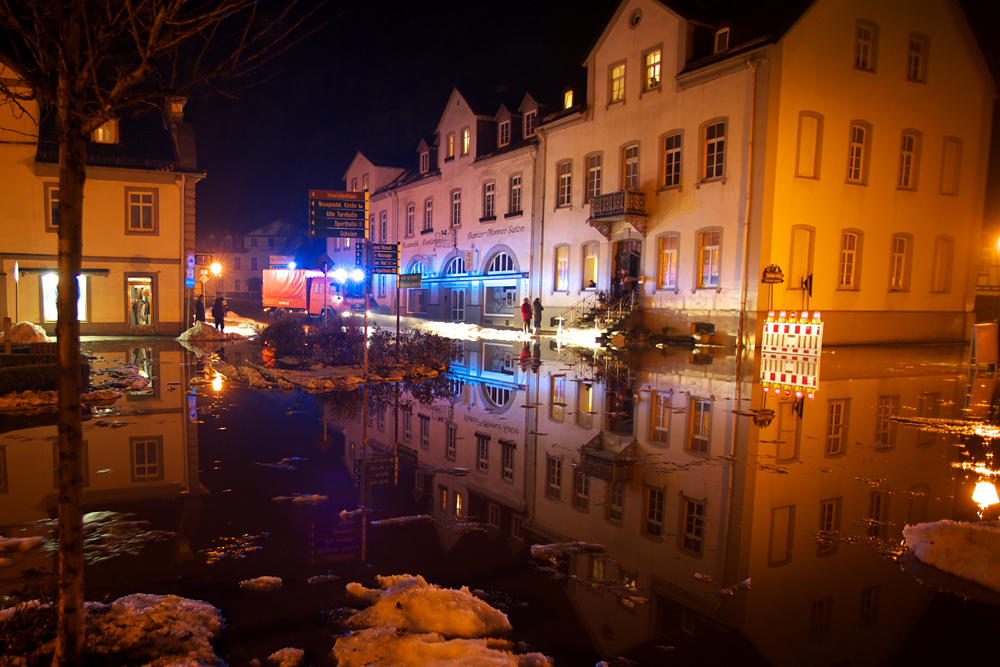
[[72, 174]]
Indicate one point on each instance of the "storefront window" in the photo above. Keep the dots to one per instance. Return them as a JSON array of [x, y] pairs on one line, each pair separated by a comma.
[[50, 287]]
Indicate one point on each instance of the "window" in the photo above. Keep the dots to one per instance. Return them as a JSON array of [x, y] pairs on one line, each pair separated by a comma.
[[147, 458], [616, 502], [237, 263], [836, 428], [455, 266], [951, 163], [507, 449], [567, 99], [553, 478], [504, 133], [515, 195], [383, 225], [916, 63], [584, 405], [564, 179], [829, 522], [899, 267], [425, 162], [708, 258], [651, 61], [253, 263], [593, 178], [530, 117], [850, 260], [878, 513], [364, 182], [451, 146], [715, 150], [667, 270], [517, 527], [501, 262], [253, 242], [700, 425], [270, 242], [807, 159], [142, 207], [659, 418], [482, 452], [466, 141], [581, 490], [820, 617], [672, 161], [456, 208], [721, 40], [858, 153], [694, 526], [443, 495], [885, 427], [908, 153], [653, 525], [52, 206], [865, 46], [868, 613], [944, 249], [781, 538], [589, 266], [557, 398], [450, 441], [354, 185], [237, 284], [561, 269], [429, 215], [407, 425], [489, 201], [597, 568], [107, 133], [410, 215], [630, 168], [616, 84], [425, 431]]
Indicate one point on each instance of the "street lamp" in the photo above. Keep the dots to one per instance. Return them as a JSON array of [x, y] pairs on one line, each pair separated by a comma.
[[216, 271]]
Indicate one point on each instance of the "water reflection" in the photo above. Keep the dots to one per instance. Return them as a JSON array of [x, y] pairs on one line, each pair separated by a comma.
[[715, 535]]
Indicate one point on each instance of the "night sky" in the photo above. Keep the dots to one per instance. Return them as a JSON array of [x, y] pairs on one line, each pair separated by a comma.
[[377, 77]]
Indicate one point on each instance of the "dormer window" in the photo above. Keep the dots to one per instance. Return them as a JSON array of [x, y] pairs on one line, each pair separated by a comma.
[[567, 99], [505, 133], [466, 141], [721, 40], [107, 133], [529, 123], [425, 162]]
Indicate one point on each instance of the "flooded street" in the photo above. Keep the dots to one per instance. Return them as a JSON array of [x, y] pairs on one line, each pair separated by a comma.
[[709, 522]]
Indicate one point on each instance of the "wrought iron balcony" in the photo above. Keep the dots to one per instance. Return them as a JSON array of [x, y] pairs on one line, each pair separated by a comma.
[[622, 206]]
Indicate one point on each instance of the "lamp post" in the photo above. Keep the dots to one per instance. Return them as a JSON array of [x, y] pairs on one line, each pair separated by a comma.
[[216, 271]]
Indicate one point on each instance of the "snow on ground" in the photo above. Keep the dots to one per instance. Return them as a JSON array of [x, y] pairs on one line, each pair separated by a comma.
[[262, 583], [412, 623], [27, 401], [202, 331], [25, 333], [287, 657], [967, 550]]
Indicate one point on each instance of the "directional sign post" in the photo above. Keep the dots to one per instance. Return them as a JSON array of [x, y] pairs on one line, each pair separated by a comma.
[[338, 214], [385, 258]]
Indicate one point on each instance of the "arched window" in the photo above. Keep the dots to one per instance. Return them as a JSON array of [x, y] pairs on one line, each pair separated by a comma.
[[417, 267], [501, 262], [455, 266]]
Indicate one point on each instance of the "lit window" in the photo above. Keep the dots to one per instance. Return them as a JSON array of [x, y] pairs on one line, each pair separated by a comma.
[[908, 161], [858, 154], [501, 262], [530, 118], [561, 269], [593, 178], [364, 182], [141, 211], [836, 428], [850, 260], [589, 266], [652, 78], [708, 258], [653, 525], [715, 150], [672, 161], [456, 208], [630, 168], [505, 133], [451, 145], [354, 183], [50, 287], [456, 266], [699, 429], [553, 478], [557, 398], [694, 526], [667, 273], [466, 141], [107, 133], [916, 64], [865, 46], [567, 99], [428, 215], [489, 201], [721, 40], [617, 83], [410, 215], [425, 162], [584, 404], [515, 194], [565, 183]]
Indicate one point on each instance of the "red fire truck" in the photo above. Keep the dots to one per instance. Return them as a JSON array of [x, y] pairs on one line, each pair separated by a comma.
[[303, 291]]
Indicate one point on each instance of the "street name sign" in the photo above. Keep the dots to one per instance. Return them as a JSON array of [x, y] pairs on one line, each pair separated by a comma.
[[338, 214]]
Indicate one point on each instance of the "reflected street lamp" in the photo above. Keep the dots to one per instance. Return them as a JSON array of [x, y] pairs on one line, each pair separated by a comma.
[[216, 269]]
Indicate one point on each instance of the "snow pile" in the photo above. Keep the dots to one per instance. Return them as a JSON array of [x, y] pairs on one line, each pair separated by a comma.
[[205, 331], [21, 543], [967, 550], [262, 583], [25, 333], [462, 331], [303, 498], [410, 621], [287, 657]]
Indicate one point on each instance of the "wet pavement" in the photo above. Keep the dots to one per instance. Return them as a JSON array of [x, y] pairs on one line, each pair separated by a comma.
[[722, 524]]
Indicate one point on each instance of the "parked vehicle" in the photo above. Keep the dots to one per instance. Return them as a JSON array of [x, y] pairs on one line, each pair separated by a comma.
[[305, 292]]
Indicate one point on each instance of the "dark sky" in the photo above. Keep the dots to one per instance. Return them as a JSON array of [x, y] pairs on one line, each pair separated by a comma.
[[377, 77]]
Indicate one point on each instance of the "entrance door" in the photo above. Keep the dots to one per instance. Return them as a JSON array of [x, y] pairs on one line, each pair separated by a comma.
[[628, 256], [458, 305], [139, 294]]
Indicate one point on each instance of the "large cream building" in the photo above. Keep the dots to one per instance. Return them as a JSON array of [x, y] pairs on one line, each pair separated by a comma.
[[844, 143], [138, 223]]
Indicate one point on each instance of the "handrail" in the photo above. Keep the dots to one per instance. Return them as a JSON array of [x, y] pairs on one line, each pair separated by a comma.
[[582, 307], [592, 312]]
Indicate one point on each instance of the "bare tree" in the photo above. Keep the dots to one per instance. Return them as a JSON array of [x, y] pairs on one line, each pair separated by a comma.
[[89, 61]]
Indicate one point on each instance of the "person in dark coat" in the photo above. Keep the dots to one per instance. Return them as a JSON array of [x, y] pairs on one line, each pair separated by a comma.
[[526, 315], [536, 307], [199, 308], [219, 313]]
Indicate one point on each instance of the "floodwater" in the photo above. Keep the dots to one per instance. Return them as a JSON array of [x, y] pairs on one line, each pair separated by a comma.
[[724, 537]]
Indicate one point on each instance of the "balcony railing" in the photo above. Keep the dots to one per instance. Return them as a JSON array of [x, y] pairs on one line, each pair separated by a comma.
[[618, 205]]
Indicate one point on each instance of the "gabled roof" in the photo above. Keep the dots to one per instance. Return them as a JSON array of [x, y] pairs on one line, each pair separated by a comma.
[[276, 228]]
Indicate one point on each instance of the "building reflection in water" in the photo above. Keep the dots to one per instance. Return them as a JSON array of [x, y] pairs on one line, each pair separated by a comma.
[[696, 499]]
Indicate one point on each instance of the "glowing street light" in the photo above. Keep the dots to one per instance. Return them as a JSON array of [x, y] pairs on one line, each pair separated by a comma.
[[216, 269], [985, 495]]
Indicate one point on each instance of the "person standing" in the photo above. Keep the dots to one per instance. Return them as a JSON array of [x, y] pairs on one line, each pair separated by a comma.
[[537, 309], [526, 315], [199, 309], [219, 313]]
